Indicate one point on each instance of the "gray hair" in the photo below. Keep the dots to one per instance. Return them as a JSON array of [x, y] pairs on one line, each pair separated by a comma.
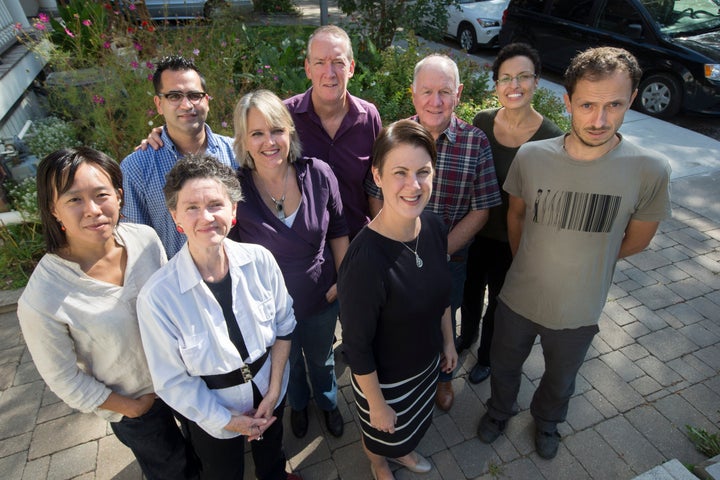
[[438, 60], [194, 166]]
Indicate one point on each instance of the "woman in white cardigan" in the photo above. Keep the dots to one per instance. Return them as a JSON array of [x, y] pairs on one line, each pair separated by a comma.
[[78, 314]]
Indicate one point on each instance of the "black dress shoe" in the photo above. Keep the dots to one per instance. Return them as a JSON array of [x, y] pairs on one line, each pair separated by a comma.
[[334, 422], [299, 422], [479, 373]]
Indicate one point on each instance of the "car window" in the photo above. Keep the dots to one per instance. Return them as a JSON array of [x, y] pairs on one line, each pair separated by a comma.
[[618, 15], [530, 5], [573, 10], [683, 17]]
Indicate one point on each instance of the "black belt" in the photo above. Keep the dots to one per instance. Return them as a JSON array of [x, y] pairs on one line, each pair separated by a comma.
[[237, 377]]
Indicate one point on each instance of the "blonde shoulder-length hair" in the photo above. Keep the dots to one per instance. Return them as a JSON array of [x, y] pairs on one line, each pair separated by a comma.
[[276, 114]]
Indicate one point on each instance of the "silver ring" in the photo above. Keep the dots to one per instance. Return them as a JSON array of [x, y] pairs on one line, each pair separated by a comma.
[[260, 437]]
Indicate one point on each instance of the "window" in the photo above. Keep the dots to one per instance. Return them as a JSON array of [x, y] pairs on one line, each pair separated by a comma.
[[573, 10]]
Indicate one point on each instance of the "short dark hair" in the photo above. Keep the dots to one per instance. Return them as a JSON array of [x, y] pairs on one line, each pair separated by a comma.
[[174, 63], [402, 132], [599, 63], [56, 175], [194, 166], [512, 50]]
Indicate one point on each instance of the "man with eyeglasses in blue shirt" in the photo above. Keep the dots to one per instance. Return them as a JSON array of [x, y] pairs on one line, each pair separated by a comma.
[[181, 98]]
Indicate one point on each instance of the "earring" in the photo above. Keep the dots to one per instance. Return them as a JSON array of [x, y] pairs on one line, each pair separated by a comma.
[[62, 227], [234, 221], [179, 228]]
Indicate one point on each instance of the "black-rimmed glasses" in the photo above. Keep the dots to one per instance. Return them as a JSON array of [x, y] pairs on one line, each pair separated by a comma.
[[176, 98]]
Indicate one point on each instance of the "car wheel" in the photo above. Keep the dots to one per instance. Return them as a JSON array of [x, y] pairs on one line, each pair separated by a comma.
[[466, 37], [659, 96]]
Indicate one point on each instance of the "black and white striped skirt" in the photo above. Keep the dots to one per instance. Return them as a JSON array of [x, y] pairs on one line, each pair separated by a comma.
[[413, 400]]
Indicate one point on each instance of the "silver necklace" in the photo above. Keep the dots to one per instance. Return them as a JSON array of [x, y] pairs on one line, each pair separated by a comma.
[[418, 260], [280, 204]]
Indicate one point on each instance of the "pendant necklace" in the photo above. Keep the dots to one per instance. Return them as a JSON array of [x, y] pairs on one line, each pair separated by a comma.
[[280, 204], [418, 260]]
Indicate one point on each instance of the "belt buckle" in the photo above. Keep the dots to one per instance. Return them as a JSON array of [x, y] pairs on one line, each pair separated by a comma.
[[246, 373]]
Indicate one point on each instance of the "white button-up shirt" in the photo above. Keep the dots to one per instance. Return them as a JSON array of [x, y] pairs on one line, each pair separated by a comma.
[[185, 334]]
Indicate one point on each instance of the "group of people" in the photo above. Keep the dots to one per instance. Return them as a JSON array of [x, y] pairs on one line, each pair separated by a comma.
[[311, 212]]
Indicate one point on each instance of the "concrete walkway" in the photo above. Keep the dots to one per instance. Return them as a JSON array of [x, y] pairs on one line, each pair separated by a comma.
[[652, 370]]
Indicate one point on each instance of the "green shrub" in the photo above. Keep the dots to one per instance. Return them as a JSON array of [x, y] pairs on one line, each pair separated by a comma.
[[50, 134], [706, 443]]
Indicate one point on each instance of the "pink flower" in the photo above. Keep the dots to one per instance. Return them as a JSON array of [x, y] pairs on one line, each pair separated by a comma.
[[131, 6], [223, 44], [43, 18], [40, 26], [196, 52], [134, 64], [70, 34], [224, 124], [267, 66], [18, 26], [87, 23], [106, 45], [98, 100], [150, 76], [150, 113], [149, 65], [137, 46]]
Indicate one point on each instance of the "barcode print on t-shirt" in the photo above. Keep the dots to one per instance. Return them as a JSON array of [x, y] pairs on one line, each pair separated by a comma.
[[578, 211]]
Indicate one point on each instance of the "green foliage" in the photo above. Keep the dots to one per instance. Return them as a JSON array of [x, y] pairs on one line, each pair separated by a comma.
[[22, 244], [549, 104], [50, 134], [706, 443], [379, 20]]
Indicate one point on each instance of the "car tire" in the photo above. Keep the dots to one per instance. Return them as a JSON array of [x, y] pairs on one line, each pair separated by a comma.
[[659, 95], [466, 38]]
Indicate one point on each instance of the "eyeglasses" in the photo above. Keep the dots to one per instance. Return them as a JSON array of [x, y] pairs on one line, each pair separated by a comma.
[[523, 78], [176, 98]]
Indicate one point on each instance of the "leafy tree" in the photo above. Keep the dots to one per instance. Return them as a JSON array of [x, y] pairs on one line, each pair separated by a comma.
[[378, 20]]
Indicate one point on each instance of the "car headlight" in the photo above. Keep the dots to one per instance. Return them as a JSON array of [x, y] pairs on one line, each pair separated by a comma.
[[487, 22], [712, 71]]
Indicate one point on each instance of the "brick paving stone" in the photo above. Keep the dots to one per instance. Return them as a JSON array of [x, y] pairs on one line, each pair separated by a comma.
[[669, 318], [596, 456], [535, 363], [446, 465], [66, 432], [616, 293], [612, 334], [657, 296], [661, 241], [674, 254], [641, 277], [520, 430], [673, 273], [563, 467], [467, 408], [7, 374], [598, 347], [520, 469], [53, 411], [617, 313], [601, 403], [115, 460], [26, 373], [699, 335], [690, 240], [622, 365], [11, 355], [610, 385], [18, 407], [671, 224], [48, 397], [582, 414], [636, 329], [710, 355], [13, 445], [704, 400], [671, 442], [648, 317], [688, 371], [12, 467], [635, 449], [634, 351], [36, 469], [432, 442], [663, 374], [706, 272], [680, 412], [662, 473], [685, 313], [628, 302], [648, 260], [352, 463], [645, 385], [325, 470], [667, 344], [9, 331], [474, 457], [73, 461], [700, 366], [629, 285], [711, 325], [449, 431], [689, 288]]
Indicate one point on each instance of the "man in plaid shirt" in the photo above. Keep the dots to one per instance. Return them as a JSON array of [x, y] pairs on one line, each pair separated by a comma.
[[464, 185]]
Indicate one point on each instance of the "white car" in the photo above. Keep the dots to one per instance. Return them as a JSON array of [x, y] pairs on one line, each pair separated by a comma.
[[475, 24]]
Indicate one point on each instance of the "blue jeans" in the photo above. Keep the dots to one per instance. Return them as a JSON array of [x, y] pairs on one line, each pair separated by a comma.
[[157, 443], [457, 285], [312, 342]]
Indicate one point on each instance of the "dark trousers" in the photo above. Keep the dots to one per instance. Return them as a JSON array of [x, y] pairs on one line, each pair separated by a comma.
[[225, 458], [564, 352], [157, 443], [488, 262], [458, 267]]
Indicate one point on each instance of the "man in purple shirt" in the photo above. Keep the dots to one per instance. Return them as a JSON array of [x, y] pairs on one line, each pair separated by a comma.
[[464, 185], [333, 125]]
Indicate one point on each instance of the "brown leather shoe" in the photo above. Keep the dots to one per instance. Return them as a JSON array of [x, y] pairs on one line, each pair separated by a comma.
[[444, 396]]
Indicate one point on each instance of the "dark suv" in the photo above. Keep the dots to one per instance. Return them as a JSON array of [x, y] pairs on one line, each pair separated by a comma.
[[677, 43]]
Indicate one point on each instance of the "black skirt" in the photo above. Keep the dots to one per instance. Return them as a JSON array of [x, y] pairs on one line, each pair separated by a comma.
[[413, 400]]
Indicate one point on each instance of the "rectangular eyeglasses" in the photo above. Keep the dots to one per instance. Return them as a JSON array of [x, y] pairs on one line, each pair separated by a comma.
[[175, 98], [523, 78]]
